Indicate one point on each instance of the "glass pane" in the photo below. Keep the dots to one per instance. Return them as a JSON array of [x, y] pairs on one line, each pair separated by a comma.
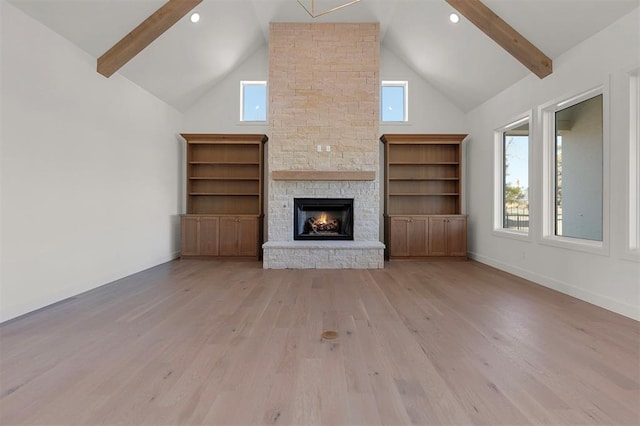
[[393, 103], [516, 178], [254, 106], [578, 189]]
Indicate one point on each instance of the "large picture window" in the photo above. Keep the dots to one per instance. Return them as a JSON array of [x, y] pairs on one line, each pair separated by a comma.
[[578, 170], [576, 154], [512, 176]]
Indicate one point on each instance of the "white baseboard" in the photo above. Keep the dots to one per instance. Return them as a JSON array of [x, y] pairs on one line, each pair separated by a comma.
[[605, 302]]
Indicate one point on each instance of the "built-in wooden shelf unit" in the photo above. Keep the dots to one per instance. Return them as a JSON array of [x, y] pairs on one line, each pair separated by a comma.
[[422, 199], [225, 191]]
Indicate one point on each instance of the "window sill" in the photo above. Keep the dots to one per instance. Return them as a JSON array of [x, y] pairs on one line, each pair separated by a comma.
[[395, 123], [594, 247], [253, 123], [512, 234]]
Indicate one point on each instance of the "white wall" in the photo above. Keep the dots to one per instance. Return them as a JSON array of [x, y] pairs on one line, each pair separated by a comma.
[[429, 110], [218, 110], [89, 171], [611, 279]]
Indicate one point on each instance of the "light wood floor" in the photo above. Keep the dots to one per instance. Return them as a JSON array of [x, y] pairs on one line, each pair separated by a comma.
[[209, 342]]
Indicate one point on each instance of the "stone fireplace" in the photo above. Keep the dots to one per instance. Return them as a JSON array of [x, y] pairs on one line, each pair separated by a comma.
[[323, 141]]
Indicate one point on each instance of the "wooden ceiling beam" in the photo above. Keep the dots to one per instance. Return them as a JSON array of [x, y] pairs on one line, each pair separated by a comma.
[[143, 35], [503, 34]]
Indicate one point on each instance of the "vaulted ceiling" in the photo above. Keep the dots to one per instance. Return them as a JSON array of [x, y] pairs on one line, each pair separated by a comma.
[[457, 59]]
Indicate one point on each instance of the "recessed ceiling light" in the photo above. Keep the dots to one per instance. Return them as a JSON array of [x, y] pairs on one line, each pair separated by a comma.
[[454, 18], [195, 17]]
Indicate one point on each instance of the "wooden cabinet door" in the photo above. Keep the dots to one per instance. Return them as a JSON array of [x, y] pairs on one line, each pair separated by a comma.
[[228, 240], [437, 236], [239, 236], [247, 236], [189, 235], [457, 236], [418, 231], [448, 236], [399, 236], [208, 236], [408, 236]]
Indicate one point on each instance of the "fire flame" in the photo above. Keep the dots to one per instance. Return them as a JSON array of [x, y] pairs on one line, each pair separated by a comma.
[[322, 218]]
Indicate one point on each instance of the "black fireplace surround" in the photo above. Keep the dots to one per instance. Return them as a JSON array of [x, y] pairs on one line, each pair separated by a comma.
[[323, 218]]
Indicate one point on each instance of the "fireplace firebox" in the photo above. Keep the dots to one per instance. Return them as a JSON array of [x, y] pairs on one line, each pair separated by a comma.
[[323, 219]]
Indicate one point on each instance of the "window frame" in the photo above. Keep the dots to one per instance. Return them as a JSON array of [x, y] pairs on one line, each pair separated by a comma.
[[395, 83], [245, 83], [633, 199], [498, 205], [547, 114]]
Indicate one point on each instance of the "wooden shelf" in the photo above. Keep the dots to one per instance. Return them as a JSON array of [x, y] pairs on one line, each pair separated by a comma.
[[424, 163], [226, 163], [224, 178], [422, 173], [223, 138]]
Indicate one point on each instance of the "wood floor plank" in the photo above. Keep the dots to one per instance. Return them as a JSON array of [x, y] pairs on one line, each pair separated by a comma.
[[220, 342]]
